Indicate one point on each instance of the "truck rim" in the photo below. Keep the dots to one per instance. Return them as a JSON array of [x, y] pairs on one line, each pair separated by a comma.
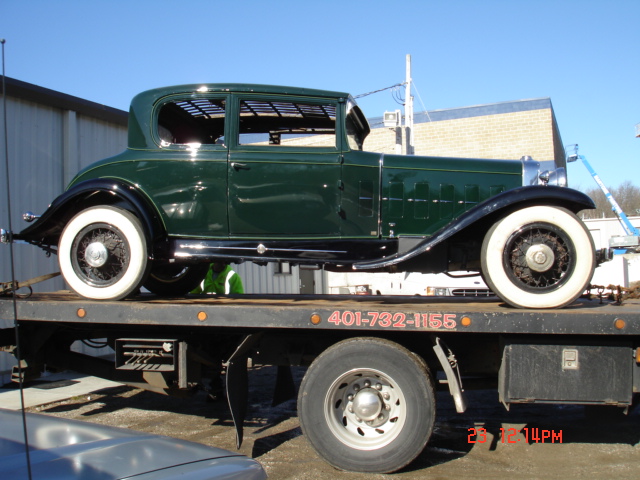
[[365, 409]]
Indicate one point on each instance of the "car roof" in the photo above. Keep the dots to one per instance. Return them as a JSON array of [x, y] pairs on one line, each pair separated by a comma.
[[242, 88]]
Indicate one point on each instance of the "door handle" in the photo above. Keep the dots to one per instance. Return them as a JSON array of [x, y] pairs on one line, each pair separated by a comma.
[[240, 166]]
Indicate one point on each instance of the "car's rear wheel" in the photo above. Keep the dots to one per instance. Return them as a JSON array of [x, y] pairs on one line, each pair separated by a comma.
[[538, 257], [103, 253], [175, 280]]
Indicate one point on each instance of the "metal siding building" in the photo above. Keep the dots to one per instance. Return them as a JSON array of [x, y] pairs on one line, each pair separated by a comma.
[[50, 136]]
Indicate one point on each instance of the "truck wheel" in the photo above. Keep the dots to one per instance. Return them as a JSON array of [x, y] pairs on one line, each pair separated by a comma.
[[538, 257], [103, 253], [175, 280], [367, 405]]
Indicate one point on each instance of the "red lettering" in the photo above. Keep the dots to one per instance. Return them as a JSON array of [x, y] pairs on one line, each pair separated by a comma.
[[348, 318], [398, 320], [434, 320], [334, 318], [385, 319], [449, 320], [374, 318]]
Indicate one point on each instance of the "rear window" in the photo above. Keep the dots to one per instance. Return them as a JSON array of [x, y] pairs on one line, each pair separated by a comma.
[[192, 121]]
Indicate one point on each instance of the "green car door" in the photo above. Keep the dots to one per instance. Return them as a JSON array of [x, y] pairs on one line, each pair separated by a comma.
[[284, 168]]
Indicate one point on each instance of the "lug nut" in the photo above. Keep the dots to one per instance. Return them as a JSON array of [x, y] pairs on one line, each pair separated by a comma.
[[378, 386], [367, 384]]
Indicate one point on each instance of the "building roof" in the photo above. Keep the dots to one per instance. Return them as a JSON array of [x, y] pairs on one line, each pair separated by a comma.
[[52, 98], [475, 111]]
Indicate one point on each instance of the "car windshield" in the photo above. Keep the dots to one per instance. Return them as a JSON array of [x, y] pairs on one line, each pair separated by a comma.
[[357, 126]]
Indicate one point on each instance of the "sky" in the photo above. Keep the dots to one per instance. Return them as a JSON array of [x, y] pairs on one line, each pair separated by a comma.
[[582, 54]]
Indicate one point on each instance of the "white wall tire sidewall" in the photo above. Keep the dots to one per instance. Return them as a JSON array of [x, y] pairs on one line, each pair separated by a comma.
[[130, 228], [493, 248]]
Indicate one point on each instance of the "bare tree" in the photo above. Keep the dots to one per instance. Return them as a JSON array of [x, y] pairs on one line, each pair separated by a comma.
[[626, 194]]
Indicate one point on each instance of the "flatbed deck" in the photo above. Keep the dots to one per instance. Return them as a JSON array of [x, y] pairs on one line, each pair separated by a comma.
[[321, 312]]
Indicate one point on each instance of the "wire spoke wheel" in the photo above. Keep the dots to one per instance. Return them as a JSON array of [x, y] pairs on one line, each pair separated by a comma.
[[105, 259], [101, 255], [538, 257]]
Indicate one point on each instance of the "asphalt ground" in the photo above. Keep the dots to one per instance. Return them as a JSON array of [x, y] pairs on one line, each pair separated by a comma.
[[487, 441]]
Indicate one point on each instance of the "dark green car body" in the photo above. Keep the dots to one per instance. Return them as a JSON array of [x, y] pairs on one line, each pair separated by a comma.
[[239, 172], [292, 192]]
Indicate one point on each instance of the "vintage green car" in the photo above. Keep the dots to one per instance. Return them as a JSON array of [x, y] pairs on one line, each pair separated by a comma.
[[238, 172]]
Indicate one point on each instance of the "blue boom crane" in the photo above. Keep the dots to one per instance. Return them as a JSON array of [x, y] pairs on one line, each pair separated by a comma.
[[629, 242]]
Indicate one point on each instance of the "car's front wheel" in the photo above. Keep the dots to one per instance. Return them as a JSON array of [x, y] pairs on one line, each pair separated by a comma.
[[103, 253], [538, 257]]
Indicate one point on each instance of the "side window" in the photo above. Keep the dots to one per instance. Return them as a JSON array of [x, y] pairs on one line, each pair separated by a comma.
[[287, 123], [192, 121]]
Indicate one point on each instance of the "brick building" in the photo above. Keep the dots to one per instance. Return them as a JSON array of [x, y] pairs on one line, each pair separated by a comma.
[[506, 130]]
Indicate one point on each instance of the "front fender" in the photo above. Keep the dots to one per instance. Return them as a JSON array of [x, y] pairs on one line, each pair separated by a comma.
[[100, 191], [490, 210]]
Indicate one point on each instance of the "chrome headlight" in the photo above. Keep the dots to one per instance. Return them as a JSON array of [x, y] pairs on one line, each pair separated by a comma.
[[542, 173]]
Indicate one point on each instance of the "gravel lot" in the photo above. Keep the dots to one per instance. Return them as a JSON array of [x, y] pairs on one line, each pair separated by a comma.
[[594, 444]]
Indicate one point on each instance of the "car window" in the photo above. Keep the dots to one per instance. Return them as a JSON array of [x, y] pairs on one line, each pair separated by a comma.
[[192, 121], [287, 123], [356, 131]]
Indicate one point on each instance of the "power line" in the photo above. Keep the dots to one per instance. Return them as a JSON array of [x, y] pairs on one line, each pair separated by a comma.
[[380, 90]]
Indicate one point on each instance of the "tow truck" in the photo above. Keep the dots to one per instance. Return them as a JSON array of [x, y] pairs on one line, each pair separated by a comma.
[[367, 400]]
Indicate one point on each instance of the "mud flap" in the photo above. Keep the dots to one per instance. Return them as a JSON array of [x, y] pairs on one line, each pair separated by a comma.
[[238, 384]]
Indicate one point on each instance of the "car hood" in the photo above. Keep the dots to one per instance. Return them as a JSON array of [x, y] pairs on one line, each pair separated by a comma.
[[68, 449]]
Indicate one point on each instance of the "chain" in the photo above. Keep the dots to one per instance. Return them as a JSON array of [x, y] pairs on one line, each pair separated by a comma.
[[616, 293]]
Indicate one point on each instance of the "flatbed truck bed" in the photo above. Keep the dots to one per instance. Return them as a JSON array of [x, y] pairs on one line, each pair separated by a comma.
[[334, 312], [367, 400]]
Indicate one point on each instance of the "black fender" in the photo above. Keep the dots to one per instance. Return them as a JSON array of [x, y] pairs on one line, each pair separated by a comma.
[[99, 191], [490, 211]]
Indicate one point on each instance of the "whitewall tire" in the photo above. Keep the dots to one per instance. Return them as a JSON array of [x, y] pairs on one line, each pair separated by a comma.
[[538, 257], [103, 253]]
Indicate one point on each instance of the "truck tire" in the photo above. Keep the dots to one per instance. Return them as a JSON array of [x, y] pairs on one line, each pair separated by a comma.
[[103, 253], [367, 405], [538, 257], [175, 280]]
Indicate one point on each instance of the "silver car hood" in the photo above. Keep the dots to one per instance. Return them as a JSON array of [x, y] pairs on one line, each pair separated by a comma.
[[69, 449]]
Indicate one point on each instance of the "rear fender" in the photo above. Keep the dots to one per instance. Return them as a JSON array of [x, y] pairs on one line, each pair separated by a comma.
[[101, 191], [486, 214]]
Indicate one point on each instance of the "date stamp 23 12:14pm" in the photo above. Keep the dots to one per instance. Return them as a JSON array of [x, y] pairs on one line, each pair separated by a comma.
[[510, 435]]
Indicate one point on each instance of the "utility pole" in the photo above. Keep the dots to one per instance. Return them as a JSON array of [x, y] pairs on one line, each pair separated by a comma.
[[408, 110]]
